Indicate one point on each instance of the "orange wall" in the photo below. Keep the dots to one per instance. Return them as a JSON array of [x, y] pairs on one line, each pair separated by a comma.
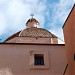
[[69, 35], [15, 59], [74, 37]]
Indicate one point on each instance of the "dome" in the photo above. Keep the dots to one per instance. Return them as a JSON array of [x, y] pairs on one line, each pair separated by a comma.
[[36, 32], [32, 23], [32, 30], [32, 20]]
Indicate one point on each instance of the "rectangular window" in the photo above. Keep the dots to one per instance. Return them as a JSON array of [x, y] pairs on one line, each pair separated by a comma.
[[38, 59]]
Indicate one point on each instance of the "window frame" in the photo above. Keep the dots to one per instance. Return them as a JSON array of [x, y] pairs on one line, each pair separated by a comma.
[[46, 59]]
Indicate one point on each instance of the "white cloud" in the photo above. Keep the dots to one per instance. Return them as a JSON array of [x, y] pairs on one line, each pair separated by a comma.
[[2, 23], [17, 12], [61, 11], [3, 1], [59, 15]]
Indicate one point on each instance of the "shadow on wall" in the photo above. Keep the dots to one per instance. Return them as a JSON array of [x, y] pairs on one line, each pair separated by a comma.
[[5, 71]]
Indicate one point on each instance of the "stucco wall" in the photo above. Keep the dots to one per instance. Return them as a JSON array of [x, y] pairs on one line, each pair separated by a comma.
[[35, 40], [14, 59], [69, 35], [74, 37], [29, 39]]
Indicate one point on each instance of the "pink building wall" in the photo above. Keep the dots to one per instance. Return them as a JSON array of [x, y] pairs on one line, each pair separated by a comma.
[[69, 35], [35, 40], [14, 59]]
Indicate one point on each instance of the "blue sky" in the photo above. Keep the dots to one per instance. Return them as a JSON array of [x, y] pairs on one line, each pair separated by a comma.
[[50, 13]]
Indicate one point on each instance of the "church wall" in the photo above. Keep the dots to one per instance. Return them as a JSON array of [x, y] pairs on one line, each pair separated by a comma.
[[15, 59], [35, 40], [69, 35], [29, 39]]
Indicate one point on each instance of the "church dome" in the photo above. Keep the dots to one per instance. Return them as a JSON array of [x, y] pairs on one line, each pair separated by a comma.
[[32, 20], [32, 30], [36, 32]]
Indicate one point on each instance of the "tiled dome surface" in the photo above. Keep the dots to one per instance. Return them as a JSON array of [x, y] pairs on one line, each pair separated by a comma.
[[36, 32]]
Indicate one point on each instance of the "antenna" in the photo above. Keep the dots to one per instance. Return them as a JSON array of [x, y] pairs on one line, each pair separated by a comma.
[[32, 15]]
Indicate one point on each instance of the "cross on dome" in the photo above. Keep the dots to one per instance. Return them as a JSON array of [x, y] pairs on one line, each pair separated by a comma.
[[32, 15], [32, 22]]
